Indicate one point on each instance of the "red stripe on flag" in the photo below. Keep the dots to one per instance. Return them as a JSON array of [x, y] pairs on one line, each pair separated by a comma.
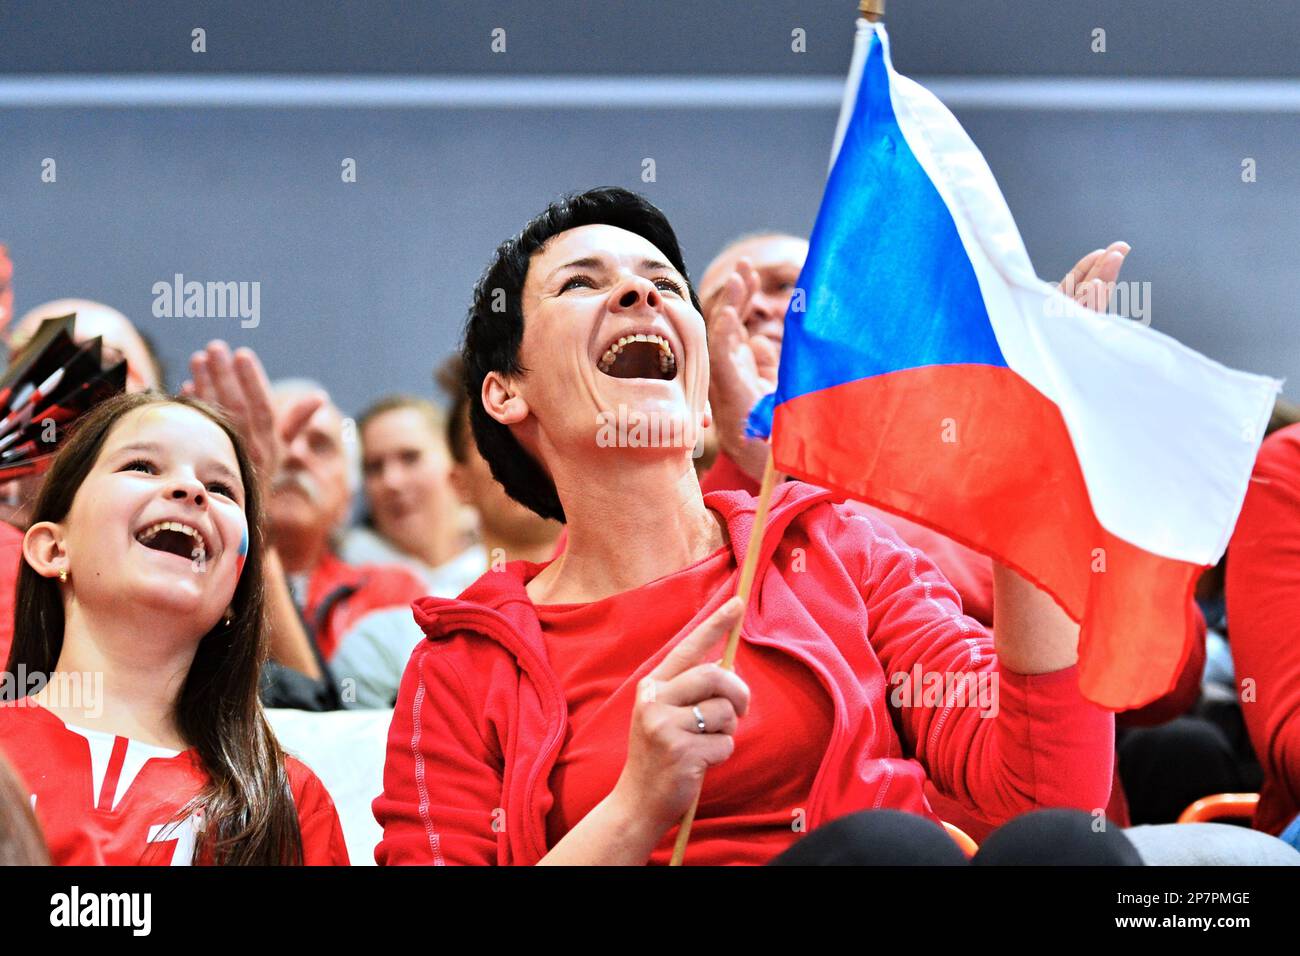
[[976, 453], [1132, 647]]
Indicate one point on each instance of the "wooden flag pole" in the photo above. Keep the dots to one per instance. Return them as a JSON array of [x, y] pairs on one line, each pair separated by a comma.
[[733, 639], [874, 11]]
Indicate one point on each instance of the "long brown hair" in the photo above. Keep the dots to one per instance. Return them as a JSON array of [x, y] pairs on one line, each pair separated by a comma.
[[21, 842], [247, 806]]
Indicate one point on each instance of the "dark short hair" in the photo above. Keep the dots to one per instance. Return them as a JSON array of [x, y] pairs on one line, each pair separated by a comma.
[[495, 327]]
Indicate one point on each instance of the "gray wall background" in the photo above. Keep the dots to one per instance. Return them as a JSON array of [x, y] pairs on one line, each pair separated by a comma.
[[364, 285]]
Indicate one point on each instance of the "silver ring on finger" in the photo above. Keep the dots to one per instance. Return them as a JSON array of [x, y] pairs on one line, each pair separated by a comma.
[[700, 725]]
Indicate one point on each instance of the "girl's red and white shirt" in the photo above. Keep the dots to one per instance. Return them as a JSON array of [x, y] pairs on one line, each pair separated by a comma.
[[107, 800]]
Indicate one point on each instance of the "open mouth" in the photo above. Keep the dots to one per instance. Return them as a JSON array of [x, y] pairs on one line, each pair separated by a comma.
[[174, 537], [643, 355]]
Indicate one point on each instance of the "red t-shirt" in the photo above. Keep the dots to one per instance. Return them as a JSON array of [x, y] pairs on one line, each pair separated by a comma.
[[104, 800], [751, 807], [1263, 593]]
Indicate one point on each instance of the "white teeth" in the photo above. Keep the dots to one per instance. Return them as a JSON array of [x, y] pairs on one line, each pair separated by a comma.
[[152, 531], [666, 359]]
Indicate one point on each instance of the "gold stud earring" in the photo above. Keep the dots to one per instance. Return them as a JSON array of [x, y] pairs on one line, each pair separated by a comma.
[[63, 575], [227, 619]]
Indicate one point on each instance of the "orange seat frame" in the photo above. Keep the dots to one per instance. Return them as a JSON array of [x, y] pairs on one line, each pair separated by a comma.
[[1221, 806]]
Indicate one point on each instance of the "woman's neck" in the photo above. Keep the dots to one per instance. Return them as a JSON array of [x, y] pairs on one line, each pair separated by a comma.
[[630, 522], [120, 676]]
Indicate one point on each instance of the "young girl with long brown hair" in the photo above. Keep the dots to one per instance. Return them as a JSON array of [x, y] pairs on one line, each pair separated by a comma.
[[139, 627]]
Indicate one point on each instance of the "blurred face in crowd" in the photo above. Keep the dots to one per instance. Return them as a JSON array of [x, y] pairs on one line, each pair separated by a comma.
[[310, 495], [500, 516], [120, 339], [777, 259], [406, 466], [158, 520], [609, 330]]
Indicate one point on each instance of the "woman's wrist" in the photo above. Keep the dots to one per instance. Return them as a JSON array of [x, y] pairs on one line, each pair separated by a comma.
[[613, 833], [627, 816]]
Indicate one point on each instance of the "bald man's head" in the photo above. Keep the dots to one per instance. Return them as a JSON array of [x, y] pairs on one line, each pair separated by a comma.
[[777, 258], [120, 338], [765, 250]]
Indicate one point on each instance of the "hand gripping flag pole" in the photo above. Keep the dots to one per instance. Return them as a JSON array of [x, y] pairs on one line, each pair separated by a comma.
[[733, 639], [873, 11]]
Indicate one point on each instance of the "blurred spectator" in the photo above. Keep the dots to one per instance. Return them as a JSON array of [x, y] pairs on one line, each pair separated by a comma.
[[1209, 750], [310, 498], [120, 339], [1263, 604], [414, 517]]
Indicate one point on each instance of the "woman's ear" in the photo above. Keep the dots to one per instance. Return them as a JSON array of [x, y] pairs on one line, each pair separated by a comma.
[[501, 400], [43, 549]]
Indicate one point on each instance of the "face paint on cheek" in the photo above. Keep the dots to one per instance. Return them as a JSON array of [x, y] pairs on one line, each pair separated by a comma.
[[242, 554]]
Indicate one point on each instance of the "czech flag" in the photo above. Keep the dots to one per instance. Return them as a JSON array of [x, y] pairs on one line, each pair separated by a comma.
[[927, 370]]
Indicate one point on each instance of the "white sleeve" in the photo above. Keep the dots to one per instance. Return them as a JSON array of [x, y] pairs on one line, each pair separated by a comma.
[[372, 655]]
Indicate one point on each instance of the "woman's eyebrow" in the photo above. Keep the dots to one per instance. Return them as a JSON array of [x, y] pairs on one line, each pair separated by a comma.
[[592, 262], [587, 262]]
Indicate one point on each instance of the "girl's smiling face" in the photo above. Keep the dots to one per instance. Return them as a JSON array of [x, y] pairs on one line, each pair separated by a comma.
[[159, 519]]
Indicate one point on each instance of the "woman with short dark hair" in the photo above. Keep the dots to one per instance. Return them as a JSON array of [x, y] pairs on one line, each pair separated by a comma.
[[567, 712]]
